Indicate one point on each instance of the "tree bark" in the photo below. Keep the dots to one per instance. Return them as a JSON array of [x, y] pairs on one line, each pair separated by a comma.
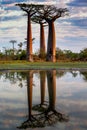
[[29, 39], [42, 41], [51, 49], [42, 85], [51, 79], [29, 93]]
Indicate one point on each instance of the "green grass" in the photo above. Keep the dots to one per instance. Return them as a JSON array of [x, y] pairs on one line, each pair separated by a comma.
[[6, 65]]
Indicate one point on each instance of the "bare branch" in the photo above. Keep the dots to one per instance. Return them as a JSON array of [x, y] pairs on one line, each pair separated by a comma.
[[51, 12], [28, 8]]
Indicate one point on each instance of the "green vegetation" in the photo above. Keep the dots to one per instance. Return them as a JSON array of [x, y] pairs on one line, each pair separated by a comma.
[[61, 55], [24, 65]]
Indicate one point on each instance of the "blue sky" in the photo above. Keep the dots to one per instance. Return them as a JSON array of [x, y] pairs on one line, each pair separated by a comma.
[[71, 31]]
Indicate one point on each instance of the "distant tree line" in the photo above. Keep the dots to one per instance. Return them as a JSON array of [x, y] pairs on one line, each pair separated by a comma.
[[19, 53], [68, 55]]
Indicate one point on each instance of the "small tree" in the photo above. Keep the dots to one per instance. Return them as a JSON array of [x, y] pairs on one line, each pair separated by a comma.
[[13, 42], [83, 54], [60, 54], [20, 45]]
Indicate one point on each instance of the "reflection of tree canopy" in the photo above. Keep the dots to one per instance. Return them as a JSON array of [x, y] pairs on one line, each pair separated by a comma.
[[84, 73], [43, 116], [74, 73], [60, 73], [48, 115], [15, 77], [1, 73]]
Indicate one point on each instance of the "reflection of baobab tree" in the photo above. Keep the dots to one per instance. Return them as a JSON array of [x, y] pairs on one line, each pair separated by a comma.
[[52, 114], [49, 114], [42, 106], [32, 120], [51, 79], [29, 93], [42, 85], [45, 113]]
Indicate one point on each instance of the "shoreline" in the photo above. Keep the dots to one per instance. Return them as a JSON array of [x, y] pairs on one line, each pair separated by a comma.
[[44, 69], [23, 65]]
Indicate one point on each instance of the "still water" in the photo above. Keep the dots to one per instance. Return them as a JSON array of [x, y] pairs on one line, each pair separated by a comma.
[[43, 100]]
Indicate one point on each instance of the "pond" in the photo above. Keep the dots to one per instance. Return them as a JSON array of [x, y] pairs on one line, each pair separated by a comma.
[[43, 100]]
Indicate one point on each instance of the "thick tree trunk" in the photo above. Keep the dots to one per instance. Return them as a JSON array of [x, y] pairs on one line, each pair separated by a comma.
[[51, 49], [29, 93], [51, 78], [42, 41], [42, 85], [29, 40]]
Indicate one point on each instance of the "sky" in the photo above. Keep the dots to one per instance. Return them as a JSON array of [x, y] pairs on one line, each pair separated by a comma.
[[71, 30]]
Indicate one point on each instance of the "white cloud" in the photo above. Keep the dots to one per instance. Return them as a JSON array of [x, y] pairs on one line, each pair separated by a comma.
[[65, 29], [10, 13], [48, 2], [78, 12], [63, 3], [16, 23]]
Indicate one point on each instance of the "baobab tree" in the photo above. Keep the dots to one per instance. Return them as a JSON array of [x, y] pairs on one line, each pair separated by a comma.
[[39, 20], [50, 14], [30, 10]]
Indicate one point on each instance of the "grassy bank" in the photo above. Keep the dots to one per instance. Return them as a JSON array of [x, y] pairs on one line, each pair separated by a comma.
[[6, 65]]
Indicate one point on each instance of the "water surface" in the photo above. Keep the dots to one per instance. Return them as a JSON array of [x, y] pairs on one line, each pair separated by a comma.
[[43, 100]]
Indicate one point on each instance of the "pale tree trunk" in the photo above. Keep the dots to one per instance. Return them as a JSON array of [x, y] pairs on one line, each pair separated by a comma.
[[42, 85], [29, 93], [51, 78], [51, 49], [42, 40], [29, 40]]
